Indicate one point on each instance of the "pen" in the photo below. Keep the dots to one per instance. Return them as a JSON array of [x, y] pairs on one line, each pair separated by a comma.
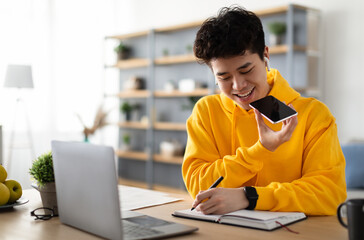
[[214, 185]]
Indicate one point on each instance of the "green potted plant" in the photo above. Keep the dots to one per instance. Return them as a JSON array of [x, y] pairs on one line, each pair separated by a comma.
[[276, 29], [126, 142], [123, 51], [126, 108], [189, 48], [165, 52], [42, 172]]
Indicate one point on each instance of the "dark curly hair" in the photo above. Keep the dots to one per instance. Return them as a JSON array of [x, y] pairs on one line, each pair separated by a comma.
[[232, 32]]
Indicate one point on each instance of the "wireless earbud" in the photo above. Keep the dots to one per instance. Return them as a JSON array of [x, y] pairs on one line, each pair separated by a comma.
[[266, 60]]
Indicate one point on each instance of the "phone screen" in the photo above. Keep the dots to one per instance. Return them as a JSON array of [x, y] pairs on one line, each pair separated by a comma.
[[273, 109]]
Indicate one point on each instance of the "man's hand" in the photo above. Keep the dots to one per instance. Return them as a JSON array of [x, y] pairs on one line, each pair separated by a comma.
[[270, 139], [220, 200]]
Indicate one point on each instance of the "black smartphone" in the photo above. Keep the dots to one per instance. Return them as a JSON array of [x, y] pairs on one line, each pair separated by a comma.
[[273, 109]]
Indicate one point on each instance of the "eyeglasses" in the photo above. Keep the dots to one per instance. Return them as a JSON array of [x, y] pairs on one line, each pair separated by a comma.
[[42, 213]]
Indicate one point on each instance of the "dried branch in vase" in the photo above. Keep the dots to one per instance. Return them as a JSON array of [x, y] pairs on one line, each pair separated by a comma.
[[99, 122]]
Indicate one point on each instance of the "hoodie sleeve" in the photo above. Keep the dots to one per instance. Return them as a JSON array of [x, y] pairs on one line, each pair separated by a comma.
[[322, 186], [203, 164]]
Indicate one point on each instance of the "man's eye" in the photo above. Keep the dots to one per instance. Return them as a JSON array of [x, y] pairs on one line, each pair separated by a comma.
[[224, 79], [247, 71]]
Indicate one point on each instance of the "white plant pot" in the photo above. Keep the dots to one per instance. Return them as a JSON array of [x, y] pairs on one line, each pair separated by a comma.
[[275, 40], [48, 196], [126, 147]]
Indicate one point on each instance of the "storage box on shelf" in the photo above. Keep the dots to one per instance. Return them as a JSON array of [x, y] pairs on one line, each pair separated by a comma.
[[163, 56]]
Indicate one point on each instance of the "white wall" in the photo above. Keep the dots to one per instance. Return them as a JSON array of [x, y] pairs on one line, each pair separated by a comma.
[[342, 54], [63, 41]]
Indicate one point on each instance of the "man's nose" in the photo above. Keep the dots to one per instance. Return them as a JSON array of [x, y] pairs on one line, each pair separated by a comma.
[[239, 83]]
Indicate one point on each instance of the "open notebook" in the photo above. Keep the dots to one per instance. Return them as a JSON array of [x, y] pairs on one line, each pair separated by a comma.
[[264, 220]]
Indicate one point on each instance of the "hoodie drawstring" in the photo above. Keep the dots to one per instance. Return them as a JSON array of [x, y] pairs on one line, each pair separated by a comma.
[[233, 127]]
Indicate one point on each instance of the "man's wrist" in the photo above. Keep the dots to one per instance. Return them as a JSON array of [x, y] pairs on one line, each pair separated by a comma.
[[268, 147], [252, 196]]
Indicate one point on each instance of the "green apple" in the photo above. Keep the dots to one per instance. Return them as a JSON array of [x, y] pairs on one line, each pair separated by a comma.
[[3, 174], [4, 194], [15, 190]]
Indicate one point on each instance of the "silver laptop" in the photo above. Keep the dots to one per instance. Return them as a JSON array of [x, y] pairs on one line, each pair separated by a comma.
[[88, 196]]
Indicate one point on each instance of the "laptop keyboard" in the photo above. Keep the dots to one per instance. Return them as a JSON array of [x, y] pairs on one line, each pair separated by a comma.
[[133, 230]]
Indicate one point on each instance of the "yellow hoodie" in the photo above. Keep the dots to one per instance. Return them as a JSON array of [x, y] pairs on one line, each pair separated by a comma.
[[305, 174]]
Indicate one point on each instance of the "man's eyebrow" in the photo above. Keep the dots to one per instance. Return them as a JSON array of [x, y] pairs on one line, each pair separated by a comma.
[[241, 67], [244, 66]]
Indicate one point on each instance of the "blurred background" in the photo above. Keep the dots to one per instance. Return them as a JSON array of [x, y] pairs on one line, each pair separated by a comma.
[[64, 43]]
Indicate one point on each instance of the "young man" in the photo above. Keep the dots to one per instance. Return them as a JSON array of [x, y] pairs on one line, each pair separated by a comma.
[[296, 165]]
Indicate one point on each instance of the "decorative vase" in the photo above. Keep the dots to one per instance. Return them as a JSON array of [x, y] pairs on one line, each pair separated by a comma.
[[49, 197]]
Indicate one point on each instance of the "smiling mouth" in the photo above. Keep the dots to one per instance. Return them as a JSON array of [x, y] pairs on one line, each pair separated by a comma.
[[245, 95]]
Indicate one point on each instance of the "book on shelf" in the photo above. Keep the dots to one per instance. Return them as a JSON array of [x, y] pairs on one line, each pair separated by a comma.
[[264, 220]]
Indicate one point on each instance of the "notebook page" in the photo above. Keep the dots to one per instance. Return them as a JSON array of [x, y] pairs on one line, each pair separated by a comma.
[[197, 214], [253, 215], [132, 198], [263, 215]]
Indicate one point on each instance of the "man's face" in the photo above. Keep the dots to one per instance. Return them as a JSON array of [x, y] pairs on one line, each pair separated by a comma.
[[241, 78]]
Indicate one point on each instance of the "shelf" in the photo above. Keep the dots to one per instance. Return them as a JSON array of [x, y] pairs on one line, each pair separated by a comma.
[[132, 63], [172, 160], [278, 49], [132, 154], [176, 93], [186, 58], [144, 157], [170, 126], [136, 125], [179, 27], [271, 11], [284, 49], [129, 35], [191, 58], [134, 94]]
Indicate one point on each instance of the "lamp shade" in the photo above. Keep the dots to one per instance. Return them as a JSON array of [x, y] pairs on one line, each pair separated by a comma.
[[19, 76]]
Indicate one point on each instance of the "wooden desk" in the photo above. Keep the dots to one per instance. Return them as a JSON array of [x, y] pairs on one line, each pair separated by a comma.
[[16, 223]]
